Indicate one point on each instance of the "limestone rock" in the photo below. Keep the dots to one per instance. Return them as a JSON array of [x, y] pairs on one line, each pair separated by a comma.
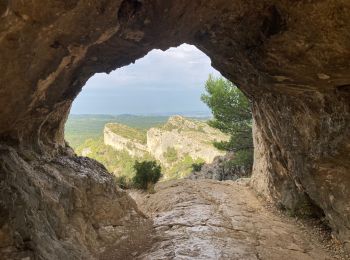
[[221, 220], [65, 207], [190, 137], [184, 136], [133, 146], [220, 170]]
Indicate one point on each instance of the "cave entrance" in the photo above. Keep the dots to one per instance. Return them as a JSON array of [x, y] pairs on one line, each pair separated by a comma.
[[152, 111], [290, 57]]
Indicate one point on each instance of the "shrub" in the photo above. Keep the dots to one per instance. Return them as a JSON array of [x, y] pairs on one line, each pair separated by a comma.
[[182, 168], [196, 167], [147, 174]]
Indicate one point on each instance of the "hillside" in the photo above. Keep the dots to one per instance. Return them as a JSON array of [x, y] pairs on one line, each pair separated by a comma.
[[176, 145], [180, 137], [121, 137], [79, 128]]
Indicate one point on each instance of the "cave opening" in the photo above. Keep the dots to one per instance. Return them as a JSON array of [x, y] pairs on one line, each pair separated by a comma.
[[152, 110], [291, 59]]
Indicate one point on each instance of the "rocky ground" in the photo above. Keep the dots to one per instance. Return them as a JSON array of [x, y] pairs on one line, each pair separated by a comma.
[[206, 219]]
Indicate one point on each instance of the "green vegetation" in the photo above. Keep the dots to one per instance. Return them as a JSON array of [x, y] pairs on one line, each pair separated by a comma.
[[128, 132], [169, 127], [118, 162], [171, 155], [79, 128], [121, 163], [147, 174], [179, 124], [182, 168], [232, 115], [196, 167], [123, 182], [84, 133]]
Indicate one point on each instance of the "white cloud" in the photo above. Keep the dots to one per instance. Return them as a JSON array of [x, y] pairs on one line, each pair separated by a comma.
[[177, 70]]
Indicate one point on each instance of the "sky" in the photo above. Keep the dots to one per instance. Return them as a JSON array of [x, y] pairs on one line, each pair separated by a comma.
[[159, 83]]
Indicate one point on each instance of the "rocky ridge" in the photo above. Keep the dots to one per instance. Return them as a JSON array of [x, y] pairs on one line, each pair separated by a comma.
[[135, 147], [179, 136], [194, 138]]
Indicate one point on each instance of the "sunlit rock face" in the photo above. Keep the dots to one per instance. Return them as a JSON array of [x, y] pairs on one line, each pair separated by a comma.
[[292, 58], [133, 147], [186, 137]]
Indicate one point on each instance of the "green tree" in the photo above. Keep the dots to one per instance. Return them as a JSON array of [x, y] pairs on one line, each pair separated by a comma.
[[147, 174], [232, 115]]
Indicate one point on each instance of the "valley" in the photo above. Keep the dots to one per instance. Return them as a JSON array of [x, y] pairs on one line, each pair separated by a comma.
[[175, 142], [79, 128]]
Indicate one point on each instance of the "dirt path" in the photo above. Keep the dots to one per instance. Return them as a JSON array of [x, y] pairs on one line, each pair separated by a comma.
[[220, 220]]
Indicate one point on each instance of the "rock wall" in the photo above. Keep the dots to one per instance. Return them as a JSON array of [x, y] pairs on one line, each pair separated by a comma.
[[65, 207], [292, 58], [185, 137], [302, 155], [120, 143]]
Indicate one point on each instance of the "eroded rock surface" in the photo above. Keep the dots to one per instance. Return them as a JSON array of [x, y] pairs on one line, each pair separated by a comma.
[[207, 219], [292, 58], [186, 137], [134, 147], [221, 169], [65, 207]]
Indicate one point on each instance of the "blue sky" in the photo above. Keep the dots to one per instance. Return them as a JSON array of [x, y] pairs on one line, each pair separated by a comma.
[[160, 83]]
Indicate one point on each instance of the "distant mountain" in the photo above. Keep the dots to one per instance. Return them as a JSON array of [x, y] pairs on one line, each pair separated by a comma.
[[81, 127]]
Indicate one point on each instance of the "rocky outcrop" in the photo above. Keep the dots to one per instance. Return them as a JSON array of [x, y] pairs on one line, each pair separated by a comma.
[[65, 207], [180, 135], [185, 137], [291, 58], [220, 169], [120, 143]]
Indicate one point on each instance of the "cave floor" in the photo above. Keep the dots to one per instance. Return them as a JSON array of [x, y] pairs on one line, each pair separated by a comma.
[[207, 219]]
